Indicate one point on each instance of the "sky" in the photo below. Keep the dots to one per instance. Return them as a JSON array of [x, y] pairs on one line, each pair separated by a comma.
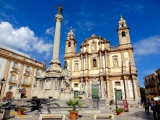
[[28, 26]]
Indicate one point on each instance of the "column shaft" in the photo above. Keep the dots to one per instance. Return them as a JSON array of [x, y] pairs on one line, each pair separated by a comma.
[[126, 88], [56, 40], [102, 92], [135, 88], [108, 92]]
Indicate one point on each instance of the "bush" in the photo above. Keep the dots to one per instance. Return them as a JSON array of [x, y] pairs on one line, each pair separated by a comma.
[[111, 101], [22, 108], [119, 110]]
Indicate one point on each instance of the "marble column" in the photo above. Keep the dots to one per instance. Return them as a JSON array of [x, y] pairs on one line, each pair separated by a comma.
[[81, 84], [58, 19], [86, 66], [135, 89], [86, 88], [106, 65], [126, 88], [100, 61], [102, 88], [81, 64], [108, 89]]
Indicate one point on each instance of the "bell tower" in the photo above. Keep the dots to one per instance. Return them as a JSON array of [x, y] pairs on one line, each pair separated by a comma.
[[123, 32], [70, 43]]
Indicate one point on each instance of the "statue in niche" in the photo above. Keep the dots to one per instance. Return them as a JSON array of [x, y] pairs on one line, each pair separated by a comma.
[[115, 62], [65, 64], [59, 10]]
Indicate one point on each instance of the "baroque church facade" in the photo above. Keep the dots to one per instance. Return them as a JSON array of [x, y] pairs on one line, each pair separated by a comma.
[[98, 71], [101, 71]]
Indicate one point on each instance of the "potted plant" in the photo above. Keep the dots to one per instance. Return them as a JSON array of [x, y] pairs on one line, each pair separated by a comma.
[[80, 97], [21, 110], [119, 111], [111, 102], [74, 104]]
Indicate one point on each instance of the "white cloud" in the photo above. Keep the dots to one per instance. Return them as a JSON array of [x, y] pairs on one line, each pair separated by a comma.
[[10, 7], [22, 38], [50, 31], [147, 46]]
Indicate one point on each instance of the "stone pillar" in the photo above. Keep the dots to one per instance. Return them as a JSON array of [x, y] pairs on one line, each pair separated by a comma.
[[135, 89], [58, 19], [86, 88], [106, 65], [108, 89], [86, 62], [126, 89], [102, 88], [81, 84], [81, 64], [100, 60]]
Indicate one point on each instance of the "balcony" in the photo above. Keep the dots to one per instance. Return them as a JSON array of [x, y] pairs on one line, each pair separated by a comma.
[[26, 84], [12, 81]]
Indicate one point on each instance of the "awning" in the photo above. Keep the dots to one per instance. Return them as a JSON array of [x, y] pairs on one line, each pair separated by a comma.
[[157, 98]]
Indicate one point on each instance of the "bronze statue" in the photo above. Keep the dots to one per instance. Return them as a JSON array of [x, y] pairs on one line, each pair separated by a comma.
[[59, 10]]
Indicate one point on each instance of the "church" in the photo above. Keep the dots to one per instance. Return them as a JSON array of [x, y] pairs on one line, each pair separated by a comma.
[[101, 71]]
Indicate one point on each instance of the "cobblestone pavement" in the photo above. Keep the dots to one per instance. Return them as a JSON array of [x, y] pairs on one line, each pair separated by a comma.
[[133, 114]]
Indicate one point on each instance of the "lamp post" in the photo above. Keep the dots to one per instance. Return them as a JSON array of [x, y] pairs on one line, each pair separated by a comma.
[[116, 97], [2, 82]]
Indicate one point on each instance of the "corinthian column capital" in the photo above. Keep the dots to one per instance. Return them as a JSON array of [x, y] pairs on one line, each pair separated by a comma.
[[58, 18]]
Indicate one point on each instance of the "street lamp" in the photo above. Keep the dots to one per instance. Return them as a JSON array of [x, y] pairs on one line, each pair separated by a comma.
[[116, 97], [2, 82]]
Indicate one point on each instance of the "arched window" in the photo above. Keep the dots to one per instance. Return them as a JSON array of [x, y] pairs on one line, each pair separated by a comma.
[[76, 66], [123, 34], [94, 63], [69, 44], [115, 62], [122, 25]]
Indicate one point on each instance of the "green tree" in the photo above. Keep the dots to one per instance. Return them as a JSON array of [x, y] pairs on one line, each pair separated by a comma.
[[143, 94]]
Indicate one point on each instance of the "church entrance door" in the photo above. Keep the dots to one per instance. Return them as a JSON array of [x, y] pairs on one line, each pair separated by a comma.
[[119, 95], [75, 94], [95, 92]]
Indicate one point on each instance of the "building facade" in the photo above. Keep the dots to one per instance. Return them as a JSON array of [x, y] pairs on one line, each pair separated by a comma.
[[19, 71], [152, 85], [101, 71]]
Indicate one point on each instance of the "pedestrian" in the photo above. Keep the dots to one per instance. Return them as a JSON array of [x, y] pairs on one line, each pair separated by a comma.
[[157, 109], [147, 107], [154, 110]]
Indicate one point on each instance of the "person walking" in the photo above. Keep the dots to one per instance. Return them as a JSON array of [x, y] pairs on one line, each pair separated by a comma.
[[157, 109], [147, 107], [154, 110]]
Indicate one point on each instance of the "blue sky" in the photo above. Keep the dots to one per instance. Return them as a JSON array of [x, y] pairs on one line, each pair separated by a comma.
[[28, 26]]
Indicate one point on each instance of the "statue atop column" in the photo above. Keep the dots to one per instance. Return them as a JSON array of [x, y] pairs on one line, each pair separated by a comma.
[[59, 10]]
